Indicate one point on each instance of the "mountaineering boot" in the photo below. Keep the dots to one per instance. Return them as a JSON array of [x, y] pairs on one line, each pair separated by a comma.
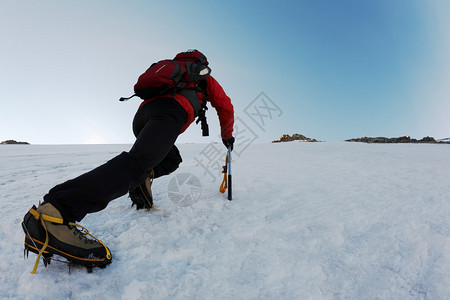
[[46, 233], [141, 196]]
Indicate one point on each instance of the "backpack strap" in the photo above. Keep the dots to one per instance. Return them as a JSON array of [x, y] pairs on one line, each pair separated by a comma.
[[202, 112], [191, 95], [127, 98]]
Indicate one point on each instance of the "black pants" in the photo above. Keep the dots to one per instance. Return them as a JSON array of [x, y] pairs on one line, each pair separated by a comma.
[[156, 126]]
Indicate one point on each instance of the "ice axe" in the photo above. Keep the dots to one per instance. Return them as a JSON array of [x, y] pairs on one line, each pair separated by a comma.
[[226, 170]]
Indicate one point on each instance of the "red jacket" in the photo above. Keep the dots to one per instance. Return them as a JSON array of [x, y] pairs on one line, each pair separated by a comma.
[[218, 99]]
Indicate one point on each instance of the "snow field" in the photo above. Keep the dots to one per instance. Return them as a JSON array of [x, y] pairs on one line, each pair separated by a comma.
[[307, 221]]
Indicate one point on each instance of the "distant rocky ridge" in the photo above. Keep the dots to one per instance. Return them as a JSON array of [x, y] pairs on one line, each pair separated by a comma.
[[402, 139], [13, 142], [294, 137]]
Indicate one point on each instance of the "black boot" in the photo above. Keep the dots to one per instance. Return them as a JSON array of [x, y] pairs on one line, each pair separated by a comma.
[[141, 196]]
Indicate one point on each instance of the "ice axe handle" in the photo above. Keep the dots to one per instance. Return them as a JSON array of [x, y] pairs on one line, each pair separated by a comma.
[[229, 175]]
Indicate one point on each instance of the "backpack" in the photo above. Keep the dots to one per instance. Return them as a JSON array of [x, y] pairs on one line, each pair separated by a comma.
[[180, 75]]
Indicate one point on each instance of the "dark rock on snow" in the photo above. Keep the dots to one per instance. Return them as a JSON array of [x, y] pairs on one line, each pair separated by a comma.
[[294, 137], [402, 139], [13, 142]]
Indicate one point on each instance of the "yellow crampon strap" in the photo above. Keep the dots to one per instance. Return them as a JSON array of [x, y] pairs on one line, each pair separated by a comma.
[[224, 185], [43, 218]]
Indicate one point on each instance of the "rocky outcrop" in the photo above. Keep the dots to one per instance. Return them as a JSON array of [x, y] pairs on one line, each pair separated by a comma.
[[402, 139], [294, 137], [13, 142]]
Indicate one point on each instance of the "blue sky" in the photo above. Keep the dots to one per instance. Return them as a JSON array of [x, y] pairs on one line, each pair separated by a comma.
[[335, 69]]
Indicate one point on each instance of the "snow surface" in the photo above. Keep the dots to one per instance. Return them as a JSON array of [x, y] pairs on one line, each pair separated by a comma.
[[307, 221]]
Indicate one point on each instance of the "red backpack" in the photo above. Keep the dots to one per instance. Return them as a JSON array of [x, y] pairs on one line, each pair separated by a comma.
[[180, 75]]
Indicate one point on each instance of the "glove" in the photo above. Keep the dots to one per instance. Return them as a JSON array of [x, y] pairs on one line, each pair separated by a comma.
[[228, 143]]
